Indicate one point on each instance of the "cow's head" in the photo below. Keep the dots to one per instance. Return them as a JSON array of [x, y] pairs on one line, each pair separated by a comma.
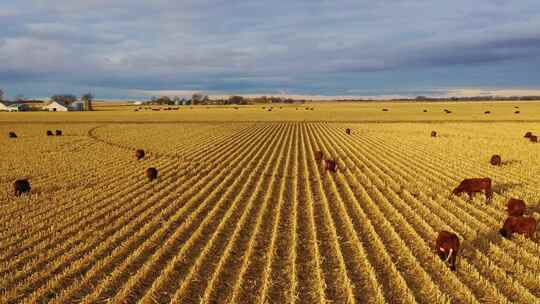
[[504, 233]]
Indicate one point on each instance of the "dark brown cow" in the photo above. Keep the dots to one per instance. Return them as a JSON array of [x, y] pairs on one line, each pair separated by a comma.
[[487, 112], [447, 247], [151, 173], [49, 133], [21, 186], [319, 156], [139, 154], [495, 160], [533, 138], [330, 165], [516, 112], [348, 131], [473, 185], [58, 132], [425, 111], [433, 134], [528, 135], [385, 110], [12, 135], [515, 207], [521, 225]]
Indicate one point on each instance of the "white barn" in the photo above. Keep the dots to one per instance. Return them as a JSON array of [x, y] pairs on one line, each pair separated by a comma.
[[3, 107], [56, 107]]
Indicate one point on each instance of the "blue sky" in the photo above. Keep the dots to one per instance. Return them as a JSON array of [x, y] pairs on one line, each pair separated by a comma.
[[133, 48]]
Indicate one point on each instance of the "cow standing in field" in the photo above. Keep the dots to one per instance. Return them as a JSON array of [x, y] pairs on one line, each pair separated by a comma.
[[330, 165], [151, 173], [519, 224], [515, 207], [21, 186], [139, 154], [473, 185], [528, 135], [348, 131], [534, 139], [12, 135], [495, 160], [49, 133], [58, 132], [433, 134], [447, 247]]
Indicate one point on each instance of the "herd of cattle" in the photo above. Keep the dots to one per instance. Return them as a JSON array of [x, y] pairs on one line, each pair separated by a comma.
[[447, 243]]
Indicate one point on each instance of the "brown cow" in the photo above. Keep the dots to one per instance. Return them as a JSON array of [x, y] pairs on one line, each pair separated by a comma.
[[495, 160], [516, 112], [433, 134], [49, 133], [473, 185], [12, 135], [348, 131], [319, 156], [330, 165], [21, 186], [487, 112], [528, 135], [58, 133], [151, 173], [533, 138], [425, 111], [521, 225], [447, 247], [139, 154], [515, 207]]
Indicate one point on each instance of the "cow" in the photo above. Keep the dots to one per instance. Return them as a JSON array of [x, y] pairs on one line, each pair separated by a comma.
[[151, 173], [12, 135], [319, 156], [516, 112], [519, 224], [473, 185], [21, 186], [447, 247], [58, 132], [385, 110], [330, 165], [139, 154], [433, 134], [49, 133], [533, 138], [348, 131], [515, 207], [425, 111], [487, 112], [495, 160], [528, 135]]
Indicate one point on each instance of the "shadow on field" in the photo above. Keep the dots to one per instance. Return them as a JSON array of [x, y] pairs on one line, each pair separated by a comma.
[[510, 162], [505, 187]]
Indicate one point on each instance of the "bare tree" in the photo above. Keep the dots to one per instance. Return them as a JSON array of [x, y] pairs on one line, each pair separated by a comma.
[[87, 99]]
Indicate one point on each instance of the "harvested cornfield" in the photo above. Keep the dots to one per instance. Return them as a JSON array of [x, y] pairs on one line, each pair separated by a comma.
[[243, 213]]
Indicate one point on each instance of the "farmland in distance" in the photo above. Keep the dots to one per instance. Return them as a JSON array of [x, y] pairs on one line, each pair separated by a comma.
[[242, 213]]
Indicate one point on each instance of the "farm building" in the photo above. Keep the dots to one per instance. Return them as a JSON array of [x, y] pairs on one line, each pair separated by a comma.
[[56, 107], [3, 107], [17, 107]]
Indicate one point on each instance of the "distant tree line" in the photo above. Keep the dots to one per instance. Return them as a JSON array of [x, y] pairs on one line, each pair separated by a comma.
[[200, 99]]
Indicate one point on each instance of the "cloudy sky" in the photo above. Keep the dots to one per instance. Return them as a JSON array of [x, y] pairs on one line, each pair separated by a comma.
[[132, 48]]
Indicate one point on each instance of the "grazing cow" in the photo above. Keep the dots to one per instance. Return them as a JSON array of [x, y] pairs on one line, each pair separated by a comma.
[[425, 111], [12, 135], [447, 247], [319, 156], [516, 112], [330, 165], [348, 131], [151, 173], [385, 110], [533, 138], [433, 134], [519, 224], [58, 132], [528, 135], [21, 186], [139, 154], [473, 185], [49, 133], [495, 160], [487, 112], [515, 207]]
